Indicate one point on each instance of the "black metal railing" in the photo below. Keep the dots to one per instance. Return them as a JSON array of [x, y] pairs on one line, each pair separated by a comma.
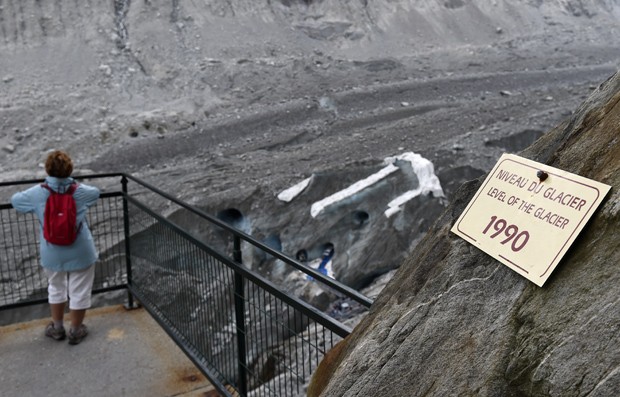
[[244, 333], [22, 280]]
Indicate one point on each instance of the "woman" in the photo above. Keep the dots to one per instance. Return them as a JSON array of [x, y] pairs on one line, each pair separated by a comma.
[[70, 268]]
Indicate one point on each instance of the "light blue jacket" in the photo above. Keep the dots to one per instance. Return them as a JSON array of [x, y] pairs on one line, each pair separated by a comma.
[[82, 253]]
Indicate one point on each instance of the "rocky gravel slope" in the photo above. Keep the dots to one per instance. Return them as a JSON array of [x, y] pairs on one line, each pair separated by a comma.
[[226, 104]]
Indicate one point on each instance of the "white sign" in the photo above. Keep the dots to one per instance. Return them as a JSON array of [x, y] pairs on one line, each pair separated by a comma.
[[526, 215]]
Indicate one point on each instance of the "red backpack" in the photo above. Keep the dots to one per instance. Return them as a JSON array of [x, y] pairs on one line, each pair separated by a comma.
[[60, 217]]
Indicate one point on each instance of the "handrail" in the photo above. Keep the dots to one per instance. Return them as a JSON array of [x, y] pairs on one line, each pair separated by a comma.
[[309, 310], [265, 321], [161, 260], [334, 284], [78, 177], [17, 245], [350, 292]]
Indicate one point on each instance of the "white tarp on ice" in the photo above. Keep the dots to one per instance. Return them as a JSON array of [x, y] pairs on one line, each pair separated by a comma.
[[428, 181], [293, 191], [351, 190], [423, 168]]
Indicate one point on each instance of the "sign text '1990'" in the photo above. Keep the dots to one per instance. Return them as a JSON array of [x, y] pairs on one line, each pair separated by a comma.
[[510, 231]]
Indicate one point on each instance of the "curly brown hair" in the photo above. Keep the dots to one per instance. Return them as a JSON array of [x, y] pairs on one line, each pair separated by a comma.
[[59, 164]]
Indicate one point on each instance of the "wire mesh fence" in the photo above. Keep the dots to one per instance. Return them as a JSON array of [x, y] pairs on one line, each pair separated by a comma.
[[22, 279], [241, 330], [246, 335], [284, 344]]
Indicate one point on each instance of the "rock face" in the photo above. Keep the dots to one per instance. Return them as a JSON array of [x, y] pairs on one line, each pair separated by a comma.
[[453, 321]]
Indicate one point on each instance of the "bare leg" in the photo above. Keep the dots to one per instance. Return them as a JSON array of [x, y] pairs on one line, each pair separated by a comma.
[[77, 317], [58, 311]]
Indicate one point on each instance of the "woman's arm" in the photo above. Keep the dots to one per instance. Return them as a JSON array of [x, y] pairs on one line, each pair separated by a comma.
[[86, 194], [22, 201]]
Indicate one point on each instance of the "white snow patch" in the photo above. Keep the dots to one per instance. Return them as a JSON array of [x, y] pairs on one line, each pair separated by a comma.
[[351, 190], [423, 168], [429, 183], [293, 191]]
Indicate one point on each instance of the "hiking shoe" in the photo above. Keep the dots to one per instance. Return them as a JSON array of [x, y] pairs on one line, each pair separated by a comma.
[[56, 334], [76, 335]]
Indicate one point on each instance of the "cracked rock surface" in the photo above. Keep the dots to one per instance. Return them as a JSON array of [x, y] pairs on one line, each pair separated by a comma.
[[453, 321]]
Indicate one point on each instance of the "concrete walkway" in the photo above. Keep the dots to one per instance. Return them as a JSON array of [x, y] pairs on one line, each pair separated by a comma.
[[125, 354]]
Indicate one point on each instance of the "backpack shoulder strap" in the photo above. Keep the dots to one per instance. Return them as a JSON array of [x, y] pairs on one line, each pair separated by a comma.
[[72, 188]]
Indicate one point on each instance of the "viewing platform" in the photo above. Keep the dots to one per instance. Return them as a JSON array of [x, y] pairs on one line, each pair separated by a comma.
[[125, 354], [209, 325]]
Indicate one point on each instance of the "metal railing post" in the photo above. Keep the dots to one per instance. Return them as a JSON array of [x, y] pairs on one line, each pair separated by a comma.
[[240, 320], [130, 302]]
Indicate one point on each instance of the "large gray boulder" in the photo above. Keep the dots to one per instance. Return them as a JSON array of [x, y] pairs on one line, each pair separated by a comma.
[[453, 321]]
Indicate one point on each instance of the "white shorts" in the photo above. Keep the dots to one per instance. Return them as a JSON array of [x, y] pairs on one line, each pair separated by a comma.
[[76, 285]]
